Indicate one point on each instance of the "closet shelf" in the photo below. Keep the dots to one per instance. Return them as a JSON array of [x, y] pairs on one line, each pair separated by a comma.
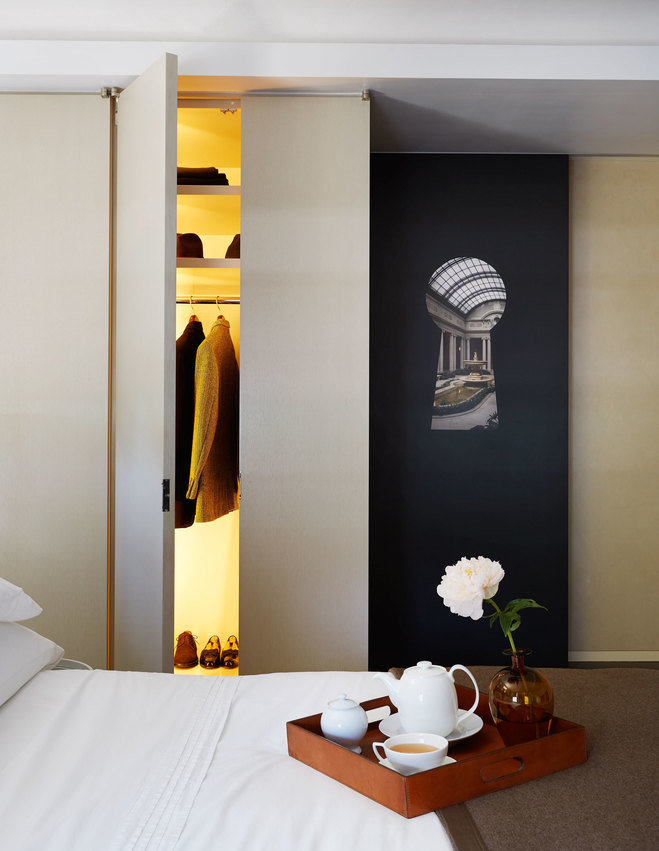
[[199, 189], [207, 263]]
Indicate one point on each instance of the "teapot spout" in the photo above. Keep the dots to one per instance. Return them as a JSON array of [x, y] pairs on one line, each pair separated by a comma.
[[390, 683]]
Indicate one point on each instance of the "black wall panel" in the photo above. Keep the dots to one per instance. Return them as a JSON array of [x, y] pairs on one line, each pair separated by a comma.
[[438, 495]]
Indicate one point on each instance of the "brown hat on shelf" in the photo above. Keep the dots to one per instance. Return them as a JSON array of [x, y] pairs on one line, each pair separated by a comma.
[[233, 251], [189, 245]]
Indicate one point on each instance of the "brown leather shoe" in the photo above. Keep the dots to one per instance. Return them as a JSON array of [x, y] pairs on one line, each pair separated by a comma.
[[230, 652], [186, 651], [210, 655]]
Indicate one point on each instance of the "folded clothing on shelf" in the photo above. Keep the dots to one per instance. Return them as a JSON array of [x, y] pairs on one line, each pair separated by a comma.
[[200, 176]]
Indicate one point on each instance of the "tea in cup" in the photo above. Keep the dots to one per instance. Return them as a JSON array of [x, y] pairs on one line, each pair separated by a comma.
[[410, 752]]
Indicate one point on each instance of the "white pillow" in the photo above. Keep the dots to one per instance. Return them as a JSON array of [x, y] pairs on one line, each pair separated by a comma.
[[23, 653], [15, 605]]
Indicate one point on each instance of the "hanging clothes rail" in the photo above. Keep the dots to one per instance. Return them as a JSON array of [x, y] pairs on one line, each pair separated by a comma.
[[205, 300]]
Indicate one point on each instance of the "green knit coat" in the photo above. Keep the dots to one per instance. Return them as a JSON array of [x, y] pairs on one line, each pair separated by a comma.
[[214, 464]]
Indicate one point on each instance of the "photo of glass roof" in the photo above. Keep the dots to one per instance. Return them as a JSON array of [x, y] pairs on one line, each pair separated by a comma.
[[465, 282]]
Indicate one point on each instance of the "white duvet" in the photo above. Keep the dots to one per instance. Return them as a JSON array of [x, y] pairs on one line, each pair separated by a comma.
[[97, 760]]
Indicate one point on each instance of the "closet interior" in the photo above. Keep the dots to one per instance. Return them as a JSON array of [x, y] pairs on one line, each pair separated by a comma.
[[207, 287]]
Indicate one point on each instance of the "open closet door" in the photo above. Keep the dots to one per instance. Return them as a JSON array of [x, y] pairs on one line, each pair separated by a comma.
[[145, 368]]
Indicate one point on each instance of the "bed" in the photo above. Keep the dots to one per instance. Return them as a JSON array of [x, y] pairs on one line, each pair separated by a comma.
[[117, 760], [106, 761]]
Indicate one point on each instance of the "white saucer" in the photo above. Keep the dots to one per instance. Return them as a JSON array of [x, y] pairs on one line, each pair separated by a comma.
[[407, 771], [390, 726]]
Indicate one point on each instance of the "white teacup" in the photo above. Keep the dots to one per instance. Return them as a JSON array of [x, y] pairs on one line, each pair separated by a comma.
[[413, 751]]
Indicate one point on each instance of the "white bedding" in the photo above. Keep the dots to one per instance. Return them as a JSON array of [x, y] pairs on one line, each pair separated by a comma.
[[96, 760]]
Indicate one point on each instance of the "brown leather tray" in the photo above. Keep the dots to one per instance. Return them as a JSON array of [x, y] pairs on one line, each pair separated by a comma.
[[483, 763]]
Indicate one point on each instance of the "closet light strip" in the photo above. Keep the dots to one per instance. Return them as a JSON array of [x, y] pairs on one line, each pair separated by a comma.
[[211, 102], [206, 300]]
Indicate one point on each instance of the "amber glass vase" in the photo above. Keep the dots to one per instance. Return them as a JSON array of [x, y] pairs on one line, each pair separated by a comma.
[[521, 701]]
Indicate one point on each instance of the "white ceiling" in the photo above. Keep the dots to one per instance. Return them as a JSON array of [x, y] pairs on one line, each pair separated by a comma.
[[604, 22], [514, 76]]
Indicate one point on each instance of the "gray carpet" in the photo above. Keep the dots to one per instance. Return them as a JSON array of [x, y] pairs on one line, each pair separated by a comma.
[[609, 803]]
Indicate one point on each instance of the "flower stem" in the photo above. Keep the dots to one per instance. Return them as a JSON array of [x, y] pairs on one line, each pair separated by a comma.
[[527, 702], [507, 633]]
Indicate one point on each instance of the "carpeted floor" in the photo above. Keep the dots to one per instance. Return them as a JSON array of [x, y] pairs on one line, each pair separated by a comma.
[[609, 803]]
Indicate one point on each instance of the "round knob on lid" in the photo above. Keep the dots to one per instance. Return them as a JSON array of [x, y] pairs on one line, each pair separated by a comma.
[[342, 702]]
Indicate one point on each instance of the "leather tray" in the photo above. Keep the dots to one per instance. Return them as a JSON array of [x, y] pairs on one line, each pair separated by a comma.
[[483, 763]]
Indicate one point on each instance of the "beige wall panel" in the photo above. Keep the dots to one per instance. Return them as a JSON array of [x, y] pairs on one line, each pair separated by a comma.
[[304, 384], [614, 408], [53, 362]]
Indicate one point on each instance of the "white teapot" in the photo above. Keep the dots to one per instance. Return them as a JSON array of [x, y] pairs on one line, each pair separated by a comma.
[[426, 698]]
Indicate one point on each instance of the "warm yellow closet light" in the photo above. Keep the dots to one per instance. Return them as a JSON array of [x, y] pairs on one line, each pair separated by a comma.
[[206, 554]]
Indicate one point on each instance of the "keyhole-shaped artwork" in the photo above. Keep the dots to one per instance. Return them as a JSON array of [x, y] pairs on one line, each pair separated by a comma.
[[465, 298]]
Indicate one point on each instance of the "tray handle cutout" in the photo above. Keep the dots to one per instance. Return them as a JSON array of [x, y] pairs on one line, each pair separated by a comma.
[[501, 768]]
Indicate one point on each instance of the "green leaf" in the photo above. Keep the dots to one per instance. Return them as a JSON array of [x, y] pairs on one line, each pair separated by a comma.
[[515, 606], [505, 621], [493, 618], [509, 618]]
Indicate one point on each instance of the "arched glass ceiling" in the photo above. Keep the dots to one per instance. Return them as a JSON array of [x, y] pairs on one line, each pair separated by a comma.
[[465, 282]]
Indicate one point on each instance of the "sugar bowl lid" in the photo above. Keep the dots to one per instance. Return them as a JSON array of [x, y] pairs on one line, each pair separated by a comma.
[[342, 702]]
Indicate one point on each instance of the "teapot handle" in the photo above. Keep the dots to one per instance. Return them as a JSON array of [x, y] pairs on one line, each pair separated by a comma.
[[471, 677]]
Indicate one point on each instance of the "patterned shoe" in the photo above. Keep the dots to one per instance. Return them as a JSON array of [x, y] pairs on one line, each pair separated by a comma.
[[210, 655], [186, 651], [230, 652]]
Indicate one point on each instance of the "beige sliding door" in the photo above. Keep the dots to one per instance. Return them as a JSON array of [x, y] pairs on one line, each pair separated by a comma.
[[53, 362], [145, 368], [304, 384]]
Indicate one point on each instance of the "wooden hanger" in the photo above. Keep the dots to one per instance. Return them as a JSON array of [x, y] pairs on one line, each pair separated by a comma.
[[193, 315]]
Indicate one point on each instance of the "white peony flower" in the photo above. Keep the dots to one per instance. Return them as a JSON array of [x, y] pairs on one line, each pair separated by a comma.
[[466, 584]]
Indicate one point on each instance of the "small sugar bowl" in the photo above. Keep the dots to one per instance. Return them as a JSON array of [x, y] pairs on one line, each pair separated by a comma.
[[344, 722]]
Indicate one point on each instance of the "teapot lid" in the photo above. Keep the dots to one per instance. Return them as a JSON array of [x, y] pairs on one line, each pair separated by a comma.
[[426, 669], [342, 702]]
